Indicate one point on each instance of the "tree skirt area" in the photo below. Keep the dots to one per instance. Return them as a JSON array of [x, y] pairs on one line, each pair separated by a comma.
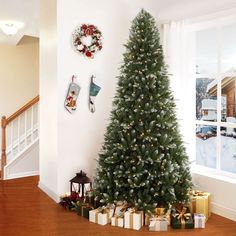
[[206, 153]]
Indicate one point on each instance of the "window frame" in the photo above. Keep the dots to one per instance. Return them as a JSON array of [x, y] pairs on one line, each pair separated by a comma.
[[217, 21]]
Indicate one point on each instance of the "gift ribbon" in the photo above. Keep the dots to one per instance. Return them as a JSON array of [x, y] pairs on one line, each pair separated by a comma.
[[131, 220], [159, 211], [96, 217], [198, 193]]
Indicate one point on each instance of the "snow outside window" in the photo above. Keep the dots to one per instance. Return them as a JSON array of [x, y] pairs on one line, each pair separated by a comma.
[[215, 52]]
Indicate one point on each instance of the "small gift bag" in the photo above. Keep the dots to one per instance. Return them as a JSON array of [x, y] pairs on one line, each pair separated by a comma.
[[133, 219], [100, 216], [199, 220], [201, 203], [181, 218]]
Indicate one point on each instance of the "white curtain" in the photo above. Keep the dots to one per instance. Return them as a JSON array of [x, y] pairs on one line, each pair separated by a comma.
[[179, 47]]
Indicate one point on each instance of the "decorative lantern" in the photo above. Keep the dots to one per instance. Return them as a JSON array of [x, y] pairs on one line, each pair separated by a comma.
[[79, 182]]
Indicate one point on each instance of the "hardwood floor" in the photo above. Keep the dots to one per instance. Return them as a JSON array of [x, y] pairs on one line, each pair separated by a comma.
[[26, 210]]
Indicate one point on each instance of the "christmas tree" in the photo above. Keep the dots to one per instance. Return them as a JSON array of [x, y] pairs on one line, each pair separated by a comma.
[[143, 159]]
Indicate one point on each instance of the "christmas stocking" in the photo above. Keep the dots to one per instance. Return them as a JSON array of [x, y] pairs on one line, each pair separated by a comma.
[[71, 98], [93, 92]]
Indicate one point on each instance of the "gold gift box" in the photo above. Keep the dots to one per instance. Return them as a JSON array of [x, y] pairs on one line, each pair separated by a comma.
[[201, 203]]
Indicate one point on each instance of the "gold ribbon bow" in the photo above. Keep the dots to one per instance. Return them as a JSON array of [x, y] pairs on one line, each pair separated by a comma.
[[198, 193]]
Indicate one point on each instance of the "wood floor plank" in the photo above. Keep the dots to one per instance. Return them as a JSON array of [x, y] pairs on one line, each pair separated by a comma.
[[26, 211]]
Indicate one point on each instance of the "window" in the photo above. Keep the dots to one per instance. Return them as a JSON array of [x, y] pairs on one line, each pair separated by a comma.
[[216, 97]]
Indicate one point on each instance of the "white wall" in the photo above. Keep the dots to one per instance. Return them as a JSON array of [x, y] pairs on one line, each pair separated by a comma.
[[80, 135], [48, 99], [223, 193], [19, 74]]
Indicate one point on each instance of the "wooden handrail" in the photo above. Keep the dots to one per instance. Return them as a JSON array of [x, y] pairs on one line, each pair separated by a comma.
[[22, 109], [4, 122]]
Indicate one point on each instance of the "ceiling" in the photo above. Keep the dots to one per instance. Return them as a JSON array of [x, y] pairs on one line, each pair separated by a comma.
[[27, 11]]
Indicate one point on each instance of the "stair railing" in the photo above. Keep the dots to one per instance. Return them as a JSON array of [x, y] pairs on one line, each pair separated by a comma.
[[10, 120]]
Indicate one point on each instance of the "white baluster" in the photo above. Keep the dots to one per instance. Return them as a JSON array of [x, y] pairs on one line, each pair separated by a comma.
[[12, 138], [32, 124], [18, 133], [25, 129]]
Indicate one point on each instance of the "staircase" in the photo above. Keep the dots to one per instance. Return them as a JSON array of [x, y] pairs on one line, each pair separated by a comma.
[[20, 139]]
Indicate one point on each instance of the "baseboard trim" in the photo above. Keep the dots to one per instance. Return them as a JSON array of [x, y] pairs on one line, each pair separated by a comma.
[[22, 175], [48, 191], [223, 211]]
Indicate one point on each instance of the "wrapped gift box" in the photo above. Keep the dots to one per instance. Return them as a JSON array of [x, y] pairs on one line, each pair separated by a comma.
[[100, 216], [152, 226], [160, 211], [117, 221], [182, 219], [133, 220], [83, 210], [200, 203], [159, 224], [199, 220]]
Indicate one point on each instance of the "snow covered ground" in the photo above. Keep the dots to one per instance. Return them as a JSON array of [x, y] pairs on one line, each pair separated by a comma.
[[206, 153], [228, 154]]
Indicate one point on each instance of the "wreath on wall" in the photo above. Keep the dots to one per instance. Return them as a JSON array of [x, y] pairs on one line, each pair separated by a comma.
[[87, 31]]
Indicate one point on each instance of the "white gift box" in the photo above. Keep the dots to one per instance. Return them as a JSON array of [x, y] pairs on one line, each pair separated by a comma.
[[133, 220], [117, 221], [100, 218], [152, 226], [199, 220], [159, 224]]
